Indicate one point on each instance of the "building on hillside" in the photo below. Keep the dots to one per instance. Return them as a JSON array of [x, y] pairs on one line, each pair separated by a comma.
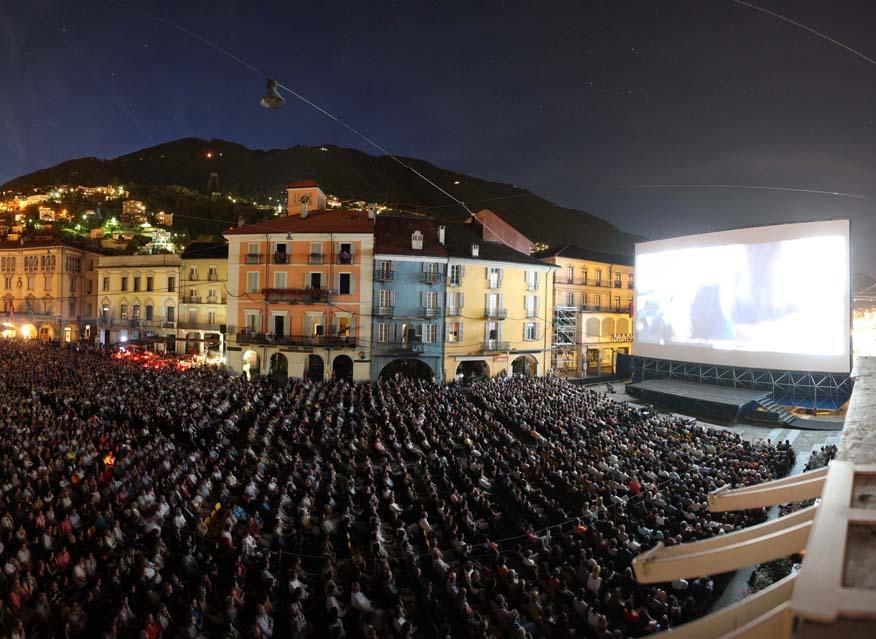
[[48, 290], [593, 303], [407, 319], [202, 298], [498, 304], [133, 212], [138, 299], [299, 291], [46, 214], [164, 218]]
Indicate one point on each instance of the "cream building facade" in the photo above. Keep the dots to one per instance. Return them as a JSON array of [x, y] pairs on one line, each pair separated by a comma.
[[47, 289], [203, 299], [593, 303], [138, 298]]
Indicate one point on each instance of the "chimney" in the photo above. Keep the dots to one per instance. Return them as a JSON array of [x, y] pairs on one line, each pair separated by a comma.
[[240, 221], [441, 230], [475, 250]]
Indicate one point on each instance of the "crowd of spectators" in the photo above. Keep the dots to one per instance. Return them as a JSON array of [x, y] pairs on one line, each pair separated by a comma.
[[142, 502]]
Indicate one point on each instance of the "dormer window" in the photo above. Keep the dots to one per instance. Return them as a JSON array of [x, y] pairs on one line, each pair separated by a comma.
[[417, 241], [475, 250]]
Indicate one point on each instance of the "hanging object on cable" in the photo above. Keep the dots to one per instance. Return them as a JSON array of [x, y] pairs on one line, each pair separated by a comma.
[[272, 99]]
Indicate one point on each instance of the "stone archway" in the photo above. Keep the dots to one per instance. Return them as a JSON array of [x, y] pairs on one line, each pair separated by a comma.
[[279, 367], [524, 366], [47, 332], [473, 370], [315, 368], [607, 327], [342, 367], [250, 365], [410, 368], [193, 343]]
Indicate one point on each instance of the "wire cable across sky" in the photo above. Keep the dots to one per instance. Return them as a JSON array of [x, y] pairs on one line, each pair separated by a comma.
[[809, 29]]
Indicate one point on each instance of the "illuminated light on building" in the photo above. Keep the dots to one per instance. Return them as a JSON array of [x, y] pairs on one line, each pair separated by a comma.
[[28, 331]]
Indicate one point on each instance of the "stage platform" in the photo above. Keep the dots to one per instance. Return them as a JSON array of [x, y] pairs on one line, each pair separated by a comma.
[[712, 393], [723, 402]]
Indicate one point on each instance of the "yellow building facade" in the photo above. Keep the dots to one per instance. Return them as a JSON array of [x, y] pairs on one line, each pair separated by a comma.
[[203, 299], [498, 308], [593, 302], [47, 289]]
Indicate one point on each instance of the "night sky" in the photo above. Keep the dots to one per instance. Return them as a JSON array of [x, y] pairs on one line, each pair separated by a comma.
[[587, 103]]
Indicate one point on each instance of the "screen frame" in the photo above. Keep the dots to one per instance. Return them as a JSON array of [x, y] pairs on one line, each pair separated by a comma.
[[841, 363]]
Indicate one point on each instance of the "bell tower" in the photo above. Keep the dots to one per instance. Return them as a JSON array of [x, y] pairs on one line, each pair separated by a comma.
[[305, 196]]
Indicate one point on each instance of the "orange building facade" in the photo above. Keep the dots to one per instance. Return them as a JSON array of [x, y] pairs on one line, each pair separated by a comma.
[[299, 291]]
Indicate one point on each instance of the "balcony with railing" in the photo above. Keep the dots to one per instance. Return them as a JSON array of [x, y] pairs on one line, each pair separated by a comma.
[[495, 313], [198, 326], [296, 295], [302, 341], [495, 346], [383, 311], [345, 258], [280, 258], [453, 311], [400, 346], [605, 308], [192, 299], [253, 258], [430, 311], [431, 277], [315, 258], [213, 277], [384, 275]]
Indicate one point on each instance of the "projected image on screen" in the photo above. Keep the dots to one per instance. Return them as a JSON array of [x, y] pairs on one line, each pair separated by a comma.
[[767, 299]]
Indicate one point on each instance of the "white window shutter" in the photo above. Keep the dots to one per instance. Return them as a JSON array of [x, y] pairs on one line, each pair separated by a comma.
[[422, 299], [392, 298], [352, 284], [459, 332], [501, 300], [446, 331], [499, 330], [461, 297], [461, 271], [501, 275], [536, 279]]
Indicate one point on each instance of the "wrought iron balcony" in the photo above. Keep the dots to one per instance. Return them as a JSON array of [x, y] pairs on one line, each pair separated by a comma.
[[430, 311], [198, 326], [401, 346], [315, 258], [453, 311], [431, 277], [253, 258], [383, 311], [296, 295], [495, 346], [384, 275], [495, 313], [346, 259], [303, 341], [280, 258], [192, 299]]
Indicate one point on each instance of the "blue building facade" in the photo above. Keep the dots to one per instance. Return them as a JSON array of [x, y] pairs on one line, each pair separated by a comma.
[[407, 319]]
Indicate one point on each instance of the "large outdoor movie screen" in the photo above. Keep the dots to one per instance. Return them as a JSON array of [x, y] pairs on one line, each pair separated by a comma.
[[767, 297]]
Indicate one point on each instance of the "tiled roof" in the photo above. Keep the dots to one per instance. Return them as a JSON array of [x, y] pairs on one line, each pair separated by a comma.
[[577, 253], [301, 184], [320, 221], [460, 237], [392, 236], [204, 250]]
